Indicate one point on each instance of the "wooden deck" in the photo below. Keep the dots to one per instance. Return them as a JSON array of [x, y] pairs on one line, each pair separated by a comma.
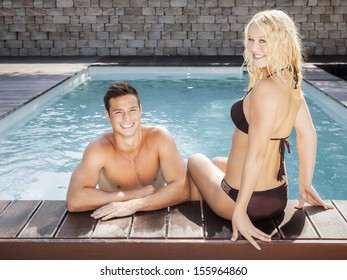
[[45, 230]]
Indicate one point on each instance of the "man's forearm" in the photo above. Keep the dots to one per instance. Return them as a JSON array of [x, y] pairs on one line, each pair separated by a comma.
[[92, 198], [164, 197]]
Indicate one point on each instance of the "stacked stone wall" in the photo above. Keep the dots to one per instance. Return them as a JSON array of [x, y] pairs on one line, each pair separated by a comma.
[[158, 28]]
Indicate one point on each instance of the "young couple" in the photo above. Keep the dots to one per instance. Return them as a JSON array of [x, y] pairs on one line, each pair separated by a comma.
[[131, 164]]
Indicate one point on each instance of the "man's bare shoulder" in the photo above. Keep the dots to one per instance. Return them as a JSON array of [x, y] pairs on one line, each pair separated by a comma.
[[156, 132], [103, 143]]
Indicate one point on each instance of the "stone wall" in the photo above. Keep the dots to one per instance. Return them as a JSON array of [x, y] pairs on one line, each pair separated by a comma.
[[158, 28]]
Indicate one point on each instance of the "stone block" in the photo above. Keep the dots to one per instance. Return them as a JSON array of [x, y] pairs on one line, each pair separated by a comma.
[[102, 35], [88, 19], [61, 19], [74, 27], [166, 19], [17, 27], [206, 35], [178, 3], [34, 52], [82, 3], [39, 35], [70, 52], [97, 43], [150, 44], [87, 36], [127, 51], [106, 3], [59, 44], [227, 3], [7, 12], [206, 19], [56, 52], [48, 27], [65, 3], [44, 44], [126, 35], [14, 44], [120, 43], [88, 52], [103, 51]]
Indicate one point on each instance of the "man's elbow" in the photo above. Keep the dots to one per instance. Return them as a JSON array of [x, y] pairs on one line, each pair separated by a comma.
[[73, 204]]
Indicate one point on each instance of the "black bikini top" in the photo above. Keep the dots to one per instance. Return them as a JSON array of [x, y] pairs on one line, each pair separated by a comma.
[[238, 117]]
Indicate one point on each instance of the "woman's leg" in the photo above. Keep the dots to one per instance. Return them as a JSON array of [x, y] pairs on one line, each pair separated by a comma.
[[221, 163], [206, 178]]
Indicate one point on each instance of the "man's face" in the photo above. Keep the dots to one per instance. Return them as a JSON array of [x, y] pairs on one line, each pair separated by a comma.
[[124, 114]]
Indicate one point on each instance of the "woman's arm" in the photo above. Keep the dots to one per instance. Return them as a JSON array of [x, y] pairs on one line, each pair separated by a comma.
[[306, 140]]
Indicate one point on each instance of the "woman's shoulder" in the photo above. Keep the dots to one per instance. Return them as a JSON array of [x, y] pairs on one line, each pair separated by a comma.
[[267, 89]]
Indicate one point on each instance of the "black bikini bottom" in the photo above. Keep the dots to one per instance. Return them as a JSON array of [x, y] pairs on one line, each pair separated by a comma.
[[263, 204]]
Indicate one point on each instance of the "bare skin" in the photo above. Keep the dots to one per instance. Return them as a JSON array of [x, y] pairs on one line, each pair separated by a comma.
[[272, 111], [117, 175]]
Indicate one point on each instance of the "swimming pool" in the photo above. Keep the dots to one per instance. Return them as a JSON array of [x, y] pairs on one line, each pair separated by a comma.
[[42, 142]]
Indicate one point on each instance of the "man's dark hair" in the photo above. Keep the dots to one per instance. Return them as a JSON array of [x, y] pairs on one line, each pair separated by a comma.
[[119, 89]]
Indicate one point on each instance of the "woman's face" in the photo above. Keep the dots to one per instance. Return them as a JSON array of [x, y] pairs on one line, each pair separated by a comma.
[[257, 47]]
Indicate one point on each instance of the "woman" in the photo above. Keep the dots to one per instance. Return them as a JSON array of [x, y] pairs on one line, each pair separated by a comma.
[[251, 184]]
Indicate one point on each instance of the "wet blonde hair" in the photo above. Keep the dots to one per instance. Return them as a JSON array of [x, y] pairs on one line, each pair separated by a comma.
[[284, 44]]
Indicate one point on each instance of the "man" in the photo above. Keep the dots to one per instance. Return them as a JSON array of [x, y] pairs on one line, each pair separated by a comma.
[[121, 171]]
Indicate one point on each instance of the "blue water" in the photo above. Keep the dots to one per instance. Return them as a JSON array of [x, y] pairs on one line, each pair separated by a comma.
[[38, 155]]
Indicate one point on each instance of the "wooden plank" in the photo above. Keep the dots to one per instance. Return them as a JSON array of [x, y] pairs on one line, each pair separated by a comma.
[[114, 228], [215, 226], [77, 225], [328, 223], [185, 221], [341, 206], [45, 221], [295, 224], [4, 204], [150, 224], [16, 215], [163, 249]]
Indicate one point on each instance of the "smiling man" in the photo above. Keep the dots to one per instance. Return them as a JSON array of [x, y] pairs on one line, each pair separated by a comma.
[[133, 168]]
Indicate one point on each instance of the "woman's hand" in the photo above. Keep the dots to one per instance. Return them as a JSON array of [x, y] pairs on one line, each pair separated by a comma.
[[310, 196], [241, 223]]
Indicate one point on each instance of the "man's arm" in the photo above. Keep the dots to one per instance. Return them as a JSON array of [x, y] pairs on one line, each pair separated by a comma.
[[174, 172], [82, 194]]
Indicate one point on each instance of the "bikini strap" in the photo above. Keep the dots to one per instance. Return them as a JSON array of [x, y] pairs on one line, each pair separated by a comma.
[[247, 93], [283, 144]]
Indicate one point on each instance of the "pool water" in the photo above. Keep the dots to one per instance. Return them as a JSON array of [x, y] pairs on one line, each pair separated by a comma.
[[39, 153]]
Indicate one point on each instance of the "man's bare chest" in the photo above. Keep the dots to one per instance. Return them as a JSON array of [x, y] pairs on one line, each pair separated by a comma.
[[129, 174]]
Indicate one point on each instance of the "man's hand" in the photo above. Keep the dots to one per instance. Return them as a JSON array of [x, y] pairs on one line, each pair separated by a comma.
[[116, 209]]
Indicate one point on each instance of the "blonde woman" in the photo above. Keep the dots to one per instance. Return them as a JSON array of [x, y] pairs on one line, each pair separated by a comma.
[[251, 184]]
